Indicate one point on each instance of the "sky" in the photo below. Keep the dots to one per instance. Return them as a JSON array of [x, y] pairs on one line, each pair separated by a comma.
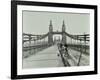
[[37, 22]]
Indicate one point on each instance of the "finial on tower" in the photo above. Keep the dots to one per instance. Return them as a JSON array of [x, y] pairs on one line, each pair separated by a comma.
[[63, 23], [63, 26], [50, 22], [50, 26]]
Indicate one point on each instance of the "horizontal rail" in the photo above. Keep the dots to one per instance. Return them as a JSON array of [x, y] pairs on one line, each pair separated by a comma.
[[78, 45], [35, 47]]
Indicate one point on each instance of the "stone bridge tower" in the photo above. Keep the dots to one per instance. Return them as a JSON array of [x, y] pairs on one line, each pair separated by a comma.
[[50, 35], [63, 32]]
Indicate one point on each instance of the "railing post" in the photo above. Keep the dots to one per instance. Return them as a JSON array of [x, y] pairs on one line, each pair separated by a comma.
[[85, 42], [80, 54], [34, 45], [30, 43], [71, 40]]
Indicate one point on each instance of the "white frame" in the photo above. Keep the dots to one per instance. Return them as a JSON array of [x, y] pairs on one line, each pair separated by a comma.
[[21, 71]]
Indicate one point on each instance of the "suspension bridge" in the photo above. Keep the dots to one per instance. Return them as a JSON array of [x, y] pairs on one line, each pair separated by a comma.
[[45, 51]]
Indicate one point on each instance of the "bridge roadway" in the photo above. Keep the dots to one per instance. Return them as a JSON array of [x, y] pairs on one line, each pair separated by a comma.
[[49, 58], [45, 58]]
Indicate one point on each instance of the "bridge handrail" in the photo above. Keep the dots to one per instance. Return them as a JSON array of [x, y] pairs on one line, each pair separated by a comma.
[[78, 37], [38, 37]]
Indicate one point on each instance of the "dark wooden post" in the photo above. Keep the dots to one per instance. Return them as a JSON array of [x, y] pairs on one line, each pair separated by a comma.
[[80, 54], [34, 47], [30, 43], [85, 42]]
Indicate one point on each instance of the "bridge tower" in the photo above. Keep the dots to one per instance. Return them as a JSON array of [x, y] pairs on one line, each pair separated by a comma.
[[63, 32], [50, 35]]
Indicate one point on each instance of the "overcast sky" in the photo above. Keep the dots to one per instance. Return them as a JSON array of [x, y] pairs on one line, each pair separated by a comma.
[[38, 22]]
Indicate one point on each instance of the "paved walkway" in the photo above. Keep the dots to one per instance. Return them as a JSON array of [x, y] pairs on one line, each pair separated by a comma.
[[85, 59], [46, 58], [49, 58]]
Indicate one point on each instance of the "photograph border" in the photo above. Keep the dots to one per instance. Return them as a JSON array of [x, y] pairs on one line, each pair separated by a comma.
[[14, 35]]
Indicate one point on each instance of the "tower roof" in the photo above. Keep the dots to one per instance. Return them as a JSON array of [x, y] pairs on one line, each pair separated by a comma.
[[63, 23], [50, 23], [63, 27]]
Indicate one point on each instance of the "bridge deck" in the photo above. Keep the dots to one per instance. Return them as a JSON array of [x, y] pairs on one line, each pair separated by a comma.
[[75, 54], [46, 58], [49, 58]]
